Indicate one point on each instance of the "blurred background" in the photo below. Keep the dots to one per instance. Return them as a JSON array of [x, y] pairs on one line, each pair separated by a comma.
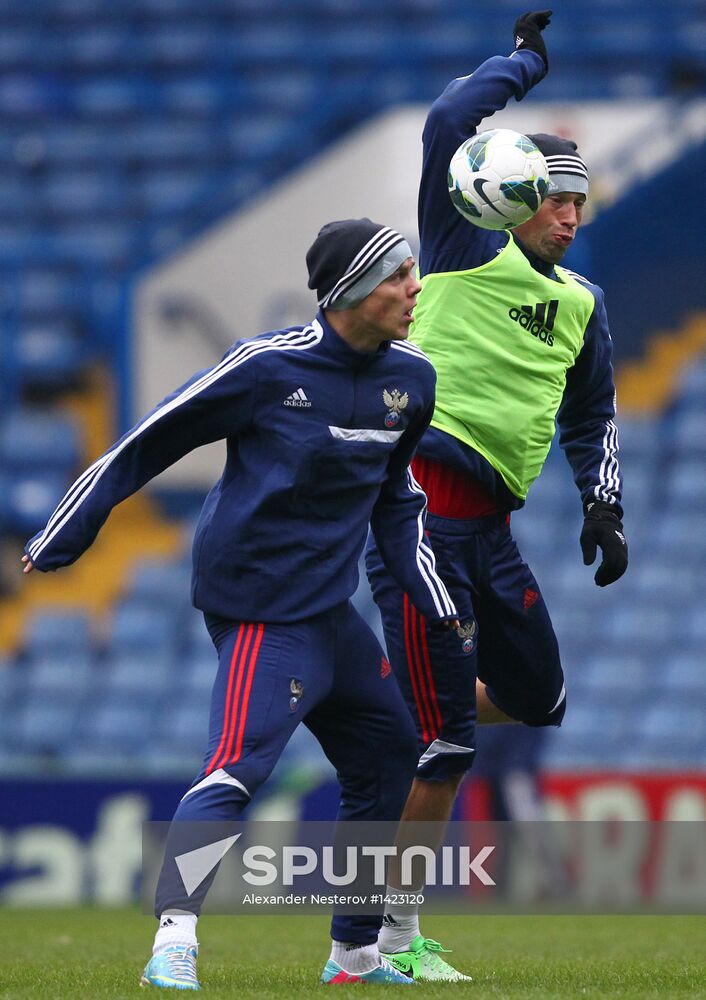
[[165, 165]]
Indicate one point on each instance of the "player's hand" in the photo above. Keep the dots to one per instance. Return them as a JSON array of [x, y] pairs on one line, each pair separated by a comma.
[[528, 32], [603, 528], [28, 564]]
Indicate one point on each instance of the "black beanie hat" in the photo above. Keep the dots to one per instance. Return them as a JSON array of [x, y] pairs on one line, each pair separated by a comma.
[[567, 171], [349, 258]]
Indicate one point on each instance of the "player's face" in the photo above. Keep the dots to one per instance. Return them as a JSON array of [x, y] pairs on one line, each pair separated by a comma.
[[387, 312], [551, 231]]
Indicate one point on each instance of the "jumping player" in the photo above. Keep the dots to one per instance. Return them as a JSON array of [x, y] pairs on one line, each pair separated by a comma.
[[517, 342]]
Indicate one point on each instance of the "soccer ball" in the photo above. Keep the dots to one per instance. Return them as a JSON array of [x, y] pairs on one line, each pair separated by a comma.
[[498, 179]]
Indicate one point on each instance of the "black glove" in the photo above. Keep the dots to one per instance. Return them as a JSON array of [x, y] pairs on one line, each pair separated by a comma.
[[602, 527], [528, 32]]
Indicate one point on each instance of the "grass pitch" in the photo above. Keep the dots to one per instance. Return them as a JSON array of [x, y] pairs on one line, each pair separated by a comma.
[[98, 954]]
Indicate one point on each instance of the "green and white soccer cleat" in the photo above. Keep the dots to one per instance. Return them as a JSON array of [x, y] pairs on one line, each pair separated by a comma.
[[172, 969], [334, 975], [423, 961]]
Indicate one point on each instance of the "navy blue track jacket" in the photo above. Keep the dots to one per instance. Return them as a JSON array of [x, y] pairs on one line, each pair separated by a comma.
[[319, 439], [587, 430]]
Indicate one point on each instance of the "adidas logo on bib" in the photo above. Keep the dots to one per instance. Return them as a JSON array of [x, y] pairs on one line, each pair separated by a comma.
[[538, 320]]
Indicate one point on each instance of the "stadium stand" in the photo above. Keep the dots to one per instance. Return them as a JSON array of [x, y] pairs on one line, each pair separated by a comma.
[[128, 128]]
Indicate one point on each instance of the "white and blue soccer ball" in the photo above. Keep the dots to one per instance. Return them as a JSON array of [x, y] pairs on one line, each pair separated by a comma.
[[498, 179]]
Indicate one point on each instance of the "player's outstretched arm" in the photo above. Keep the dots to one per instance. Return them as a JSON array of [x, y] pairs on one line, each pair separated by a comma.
[[457, 114], [212, 405]]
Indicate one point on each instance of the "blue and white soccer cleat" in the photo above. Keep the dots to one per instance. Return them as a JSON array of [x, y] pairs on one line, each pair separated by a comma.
[[172, 969], [334, 975]]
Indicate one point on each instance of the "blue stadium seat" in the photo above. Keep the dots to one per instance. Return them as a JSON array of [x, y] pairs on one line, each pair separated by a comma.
[[188, 723], [114, 727], [687, 482], [49, 355], [169, 142], [195, 96], [692, 626], [692, 385], [687, 434], [618, 675], [145, 677], [41, 440], [160, 582], [46, 728], [168, 191], [17, 198], [85, 194], [639, 439], [680, 536], [662, 582], [60, 675], [27, 500], [11, 682], [179, 45], [139, 628], [198, 641], [47, 293], [26, 96], [671, 727], [57, 632], [99, 46], [624, 622], [683, 678], [198, 672]]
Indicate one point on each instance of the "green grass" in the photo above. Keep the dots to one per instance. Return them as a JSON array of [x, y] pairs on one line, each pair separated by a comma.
[[97, 954]]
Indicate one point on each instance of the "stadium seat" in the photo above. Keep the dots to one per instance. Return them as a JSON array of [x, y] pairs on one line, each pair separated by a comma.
[[41, 440], [61, 676], [114, 727], [137, 628], [683, 678], [27, 500], [187, 722], [160, 582], [687, 483], [673, 727], [687, 434], [144, 676], [85, 194], [198, 672], [49, 356], [198, 641], [45, 728], [692, 385], [50, 632], [10, 684]]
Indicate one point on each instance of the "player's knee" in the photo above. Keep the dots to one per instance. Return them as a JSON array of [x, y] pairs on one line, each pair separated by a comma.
[[542, 717], [446, 767]]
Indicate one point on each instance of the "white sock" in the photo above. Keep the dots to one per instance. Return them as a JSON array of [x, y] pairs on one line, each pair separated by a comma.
[[355, 957], [175, 929], [400, 925]]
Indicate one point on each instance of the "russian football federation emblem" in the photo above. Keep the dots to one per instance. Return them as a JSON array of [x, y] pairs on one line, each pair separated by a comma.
[[466, 634], [395, 402], [297, 689]]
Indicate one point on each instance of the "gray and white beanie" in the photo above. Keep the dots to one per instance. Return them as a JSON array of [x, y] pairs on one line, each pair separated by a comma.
[[349, 259], [567, 171]]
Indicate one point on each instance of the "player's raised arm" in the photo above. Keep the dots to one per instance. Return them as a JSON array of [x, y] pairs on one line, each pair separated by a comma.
[[456, 115]]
